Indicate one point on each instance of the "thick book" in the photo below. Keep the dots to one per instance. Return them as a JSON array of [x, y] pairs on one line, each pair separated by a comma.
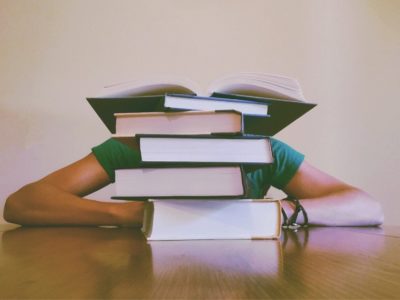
[[201, 149], [188, 122], [230, 92], [212, 219], [180, 182]]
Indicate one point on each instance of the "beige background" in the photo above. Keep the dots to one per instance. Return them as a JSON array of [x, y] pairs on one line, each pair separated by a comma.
[[345, 54]]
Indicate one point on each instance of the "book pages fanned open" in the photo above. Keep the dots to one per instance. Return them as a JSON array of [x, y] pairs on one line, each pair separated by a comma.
[[244, 83]]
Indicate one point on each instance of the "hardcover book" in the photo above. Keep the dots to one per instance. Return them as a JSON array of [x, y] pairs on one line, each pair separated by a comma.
[[201, 149], [180, 182], [188, 122], [212, 219]]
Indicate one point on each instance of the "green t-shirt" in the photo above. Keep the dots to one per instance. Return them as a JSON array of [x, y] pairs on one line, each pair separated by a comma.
[[114, 155]]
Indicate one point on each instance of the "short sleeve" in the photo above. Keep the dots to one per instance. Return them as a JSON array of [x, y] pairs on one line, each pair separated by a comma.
[[113, 155], [278, 174], [287, 162]]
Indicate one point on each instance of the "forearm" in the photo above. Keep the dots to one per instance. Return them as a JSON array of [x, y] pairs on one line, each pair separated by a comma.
[[44, 204], [349, 207]]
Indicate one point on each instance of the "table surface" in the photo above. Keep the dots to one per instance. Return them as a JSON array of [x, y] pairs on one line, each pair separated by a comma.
[[114, 263]]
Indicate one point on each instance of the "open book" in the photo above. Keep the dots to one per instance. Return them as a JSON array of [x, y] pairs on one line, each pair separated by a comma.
[[246, 83], [268, 103]]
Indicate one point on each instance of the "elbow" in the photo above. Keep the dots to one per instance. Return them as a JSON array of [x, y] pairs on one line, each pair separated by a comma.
[[10, 210], [15, 206], [13, 209]]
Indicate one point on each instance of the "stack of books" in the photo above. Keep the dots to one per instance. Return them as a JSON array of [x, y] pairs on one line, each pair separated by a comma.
[[193, 147]]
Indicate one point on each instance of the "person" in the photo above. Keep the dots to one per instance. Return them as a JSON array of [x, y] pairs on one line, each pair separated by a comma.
[[60, 197]]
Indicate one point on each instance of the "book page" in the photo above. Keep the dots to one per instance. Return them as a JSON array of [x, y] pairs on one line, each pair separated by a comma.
[[259, 85], [215, 219], [155, 86]]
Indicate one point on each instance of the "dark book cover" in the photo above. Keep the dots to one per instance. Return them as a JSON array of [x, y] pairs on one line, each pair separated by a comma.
[[282, 113]]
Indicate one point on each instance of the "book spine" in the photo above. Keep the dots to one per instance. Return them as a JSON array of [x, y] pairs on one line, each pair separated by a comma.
[[201, 136], [270, 150], [244, 182], [145, 198], [147, 226]]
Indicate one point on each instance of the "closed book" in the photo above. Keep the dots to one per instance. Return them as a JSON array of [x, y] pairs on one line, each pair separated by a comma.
[[212, 219], [180, 182], [188, 122], [200, 149], [252, 107]]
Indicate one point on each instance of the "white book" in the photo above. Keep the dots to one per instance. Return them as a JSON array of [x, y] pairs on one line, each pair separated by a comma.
[[173, 182], [188, 122], [205, 149], [257, 108], [212, 219]]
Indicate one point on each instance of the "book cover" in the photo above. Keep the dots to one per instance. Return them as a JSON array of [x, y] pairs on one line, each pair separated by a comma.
[[187, 122], [281, 113], [212, 219], [175, 182], [201, 149], [253, 107]]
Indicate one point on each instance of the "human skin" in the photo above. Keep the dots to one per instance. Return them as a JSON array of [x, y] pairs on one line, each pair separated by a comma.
[[60, 199]]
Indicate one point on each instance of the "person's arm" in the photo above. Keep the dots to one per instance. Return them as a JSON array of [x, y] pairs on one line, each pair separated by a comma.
[[57, 199], [329, 201]]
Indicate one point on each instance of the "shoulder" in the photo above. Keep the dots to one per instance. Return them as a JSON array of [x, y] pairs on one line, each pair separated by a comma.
[[287, 161], [281, 150], [113, 155]]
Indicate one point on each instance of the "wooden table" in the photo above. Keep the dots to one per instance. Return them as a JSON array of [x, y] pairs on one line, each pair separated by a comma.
[[112, 263]]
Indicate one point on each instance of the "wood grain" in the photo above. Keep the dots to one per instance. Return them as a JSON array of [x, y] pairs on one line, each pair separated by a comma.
[[115, 263]]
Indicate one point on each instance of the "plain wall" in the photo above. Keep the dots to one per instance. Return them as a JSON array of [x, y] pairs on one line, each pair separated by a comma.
[[54, 53]]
